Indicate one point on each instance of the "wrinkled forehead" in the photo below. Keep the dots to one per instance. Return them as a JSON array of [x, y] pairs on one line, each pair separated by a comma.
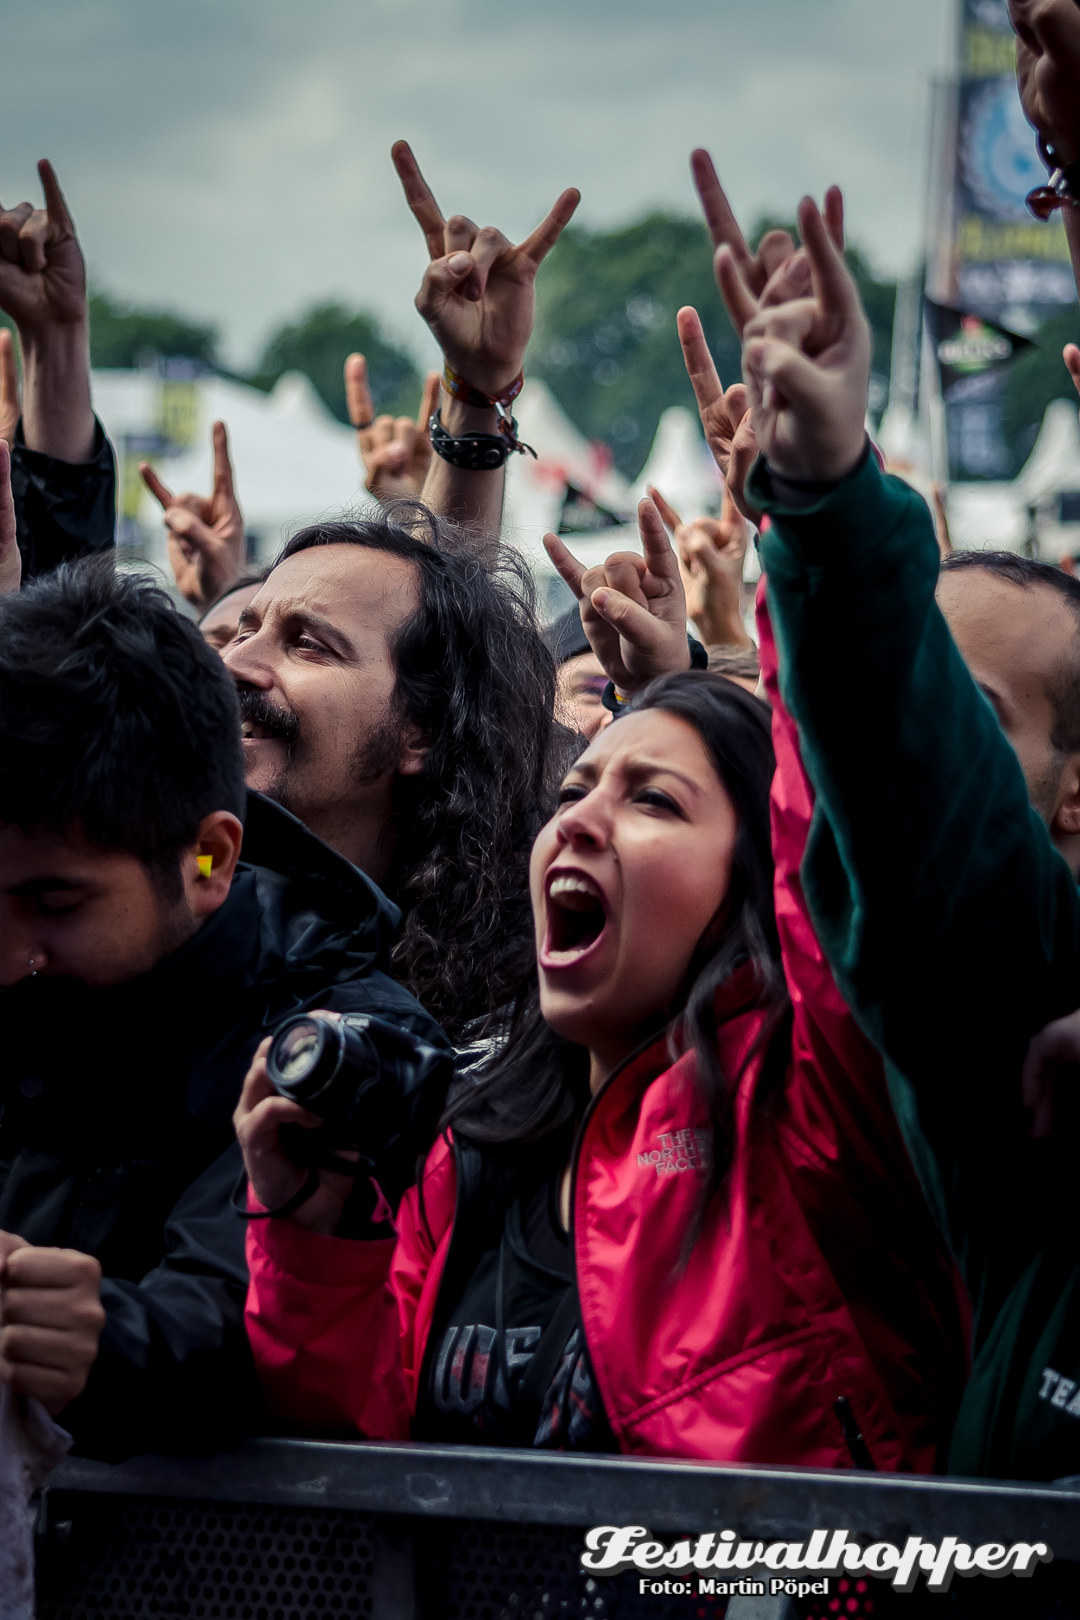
[[649, 737], [352, 586]]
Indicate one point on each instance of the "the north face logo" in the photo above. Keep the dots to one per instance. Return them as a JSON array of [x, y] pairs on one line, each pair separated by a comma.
[[678, 1151]]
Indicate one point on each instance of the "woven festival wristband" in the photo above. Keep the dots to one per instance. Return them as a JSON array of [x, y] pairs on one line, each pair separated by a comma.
[[466, 394]]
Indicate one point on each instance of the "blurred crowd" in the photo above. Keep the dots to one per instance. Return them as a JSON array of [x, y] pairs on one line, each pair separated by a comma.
[[652, 1031]]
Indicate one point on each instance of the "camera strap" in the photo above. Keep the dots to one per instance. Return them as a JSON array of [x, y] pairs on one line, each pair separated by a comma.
[[239, 1198]]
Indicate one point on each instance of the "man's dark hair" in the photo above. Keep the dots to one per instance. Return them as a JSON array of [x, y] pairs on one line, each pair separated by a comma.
[[475, 678], [1065, 691], [117, 721]]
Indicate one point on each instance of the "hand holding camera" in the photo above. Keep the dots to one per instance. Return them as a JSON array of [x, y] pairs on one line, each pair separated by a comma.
[[331, 1090]]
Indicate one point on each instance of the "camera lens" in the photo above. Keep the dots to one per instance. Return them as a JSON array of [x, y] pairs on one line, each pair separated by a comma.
[[297, 1052], [305, 1056]]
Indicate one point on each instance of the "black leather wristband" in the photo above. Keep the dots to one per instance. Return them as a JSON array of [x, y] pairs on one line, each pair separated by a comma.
[[475, 452]]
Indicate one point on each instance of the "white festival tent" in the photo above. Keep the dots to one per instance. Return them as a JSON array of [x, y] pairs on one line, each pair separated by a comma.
[[536, 490], [293, 462], [1049, 484], [679, 464]]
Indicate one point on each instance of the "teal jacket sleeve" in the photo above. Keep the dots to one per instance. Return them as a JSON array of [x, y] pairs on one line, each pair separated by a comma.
[[951, 923]]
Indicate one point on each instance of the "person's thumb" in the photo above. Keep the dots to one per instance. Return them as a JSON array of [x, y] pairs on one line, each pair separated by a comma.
[[442, 279], [9, 1242]]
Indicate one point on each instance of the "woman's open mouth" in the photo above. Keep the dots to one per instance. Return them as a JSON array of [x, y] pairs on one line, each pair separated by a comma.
[[576, 919]]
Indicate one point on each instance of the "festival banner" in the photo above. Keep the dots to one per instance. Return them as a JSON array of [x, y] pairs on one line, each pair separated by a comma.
[[1003, 265]]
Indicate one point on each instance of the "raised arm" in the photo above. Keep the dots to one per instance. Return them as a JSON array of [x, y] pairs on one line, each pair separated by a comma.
[[478, 299], [63, 473], [10, 560], [951, 923]]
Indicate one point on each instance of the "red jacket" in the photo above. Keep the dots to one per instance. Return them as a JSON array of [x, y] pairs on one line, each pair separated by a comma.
[[818, 1275]]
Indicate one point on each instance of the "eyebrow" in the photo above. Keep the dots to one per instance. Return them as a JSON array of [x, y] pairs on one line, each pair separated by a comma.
[[304, 616], [643, 767]]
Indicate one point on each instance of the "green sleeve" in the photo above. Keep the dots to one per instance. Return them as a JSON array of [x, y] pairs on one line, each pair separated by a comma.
[[951, 923]]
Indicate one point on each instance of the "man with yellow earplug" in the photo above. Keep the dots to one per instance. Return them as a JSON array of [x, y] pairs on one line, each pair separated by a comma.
[[141, 963]]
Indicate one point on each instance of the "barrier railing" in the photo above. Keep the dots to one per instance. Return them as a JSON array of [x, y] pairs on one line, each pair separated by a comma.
[[291, 1529]]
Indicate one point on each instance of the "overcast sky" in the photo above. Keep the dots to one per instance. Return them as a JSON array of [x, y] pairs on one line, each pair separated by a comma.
[[229, 158]]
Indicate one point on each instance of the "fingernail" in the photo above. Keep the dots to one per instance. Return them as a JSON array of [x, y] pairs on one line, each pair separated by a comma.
[[458, 263]]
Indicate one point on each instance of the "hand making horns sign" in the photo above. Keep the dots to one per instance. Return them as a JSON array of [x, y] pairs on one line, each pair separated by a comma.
[[42, 274], [633, 607], [477, 295], [207, 542], [395, 451]]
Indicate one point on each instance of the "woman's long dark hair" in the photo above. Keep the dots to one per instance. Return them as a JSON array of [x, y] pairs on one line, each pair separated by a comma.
[[475, 678], [539, 1083]]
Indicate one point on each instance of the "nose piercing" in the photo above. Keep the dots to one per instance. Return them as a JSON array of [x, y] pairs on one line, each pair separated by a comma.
[[33, 969]]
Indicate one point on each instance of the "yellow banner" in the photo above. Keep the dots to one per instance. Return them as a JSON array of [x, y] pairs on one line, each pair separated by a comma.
[[987, 53], [982, 241]]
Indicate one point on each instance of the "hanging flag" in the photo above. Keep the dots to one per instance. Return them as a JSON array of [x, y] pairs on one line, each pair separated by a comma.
[[968, 345]]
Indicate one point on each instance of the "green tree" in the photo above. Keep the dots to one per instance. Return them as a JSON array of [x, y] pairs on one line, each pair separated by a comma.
[[605, 340], [121, 334], [317, 345]]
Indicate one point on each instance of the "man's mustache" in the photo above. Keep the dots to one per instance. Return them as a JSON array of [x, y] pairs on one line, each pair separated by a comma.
[[257, 709]]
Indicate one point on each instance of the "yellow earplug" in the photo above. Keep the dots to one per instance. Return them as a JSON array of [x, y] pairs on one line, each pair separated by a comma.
[[205, 864]]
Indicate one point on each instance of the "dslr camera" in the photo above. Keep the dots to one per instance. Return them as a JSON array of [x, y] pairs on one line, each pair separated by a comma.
[[378, 1089]]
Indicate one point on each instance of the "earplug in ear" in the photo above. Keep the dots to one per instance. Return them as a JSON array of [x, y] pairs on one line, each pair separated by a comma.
[[205, 864]]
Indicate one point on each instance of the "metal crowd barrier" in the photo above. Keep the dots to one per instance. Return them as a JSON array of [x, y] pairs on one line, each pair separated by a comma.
[[294, 1529]]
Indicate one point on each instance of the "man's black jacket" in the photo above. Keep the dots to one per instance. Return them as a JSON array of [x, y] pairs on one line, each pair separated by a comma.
[[64, 510], [116, 1134]]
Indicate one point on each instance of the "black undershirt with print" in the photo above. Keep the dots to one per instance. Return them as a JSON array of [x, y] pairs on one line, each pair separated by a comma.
[[517, 1319]]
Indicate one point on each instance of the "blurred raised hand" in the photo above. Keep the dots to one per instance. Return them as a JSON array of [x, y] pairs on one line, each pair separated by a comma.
[[806, 357], [756, 267], [395, 451], [725, 413], [42, 274], [726, 419], [207, 545], [774, 247], [43, 290], [633, 608], [711, 553], [10, 405]]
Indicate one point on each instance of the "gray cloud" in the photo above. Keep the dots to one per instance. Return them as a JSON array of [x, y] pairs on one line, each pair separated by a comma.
[[232, 158]]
